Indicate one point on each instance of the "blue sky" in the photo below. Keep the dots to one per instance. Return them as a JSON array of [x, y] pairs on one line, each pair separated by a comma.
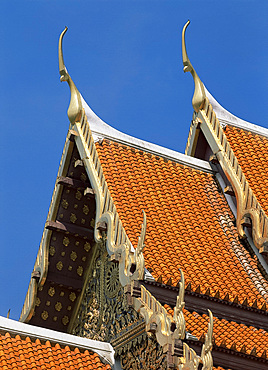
[[125, 58]]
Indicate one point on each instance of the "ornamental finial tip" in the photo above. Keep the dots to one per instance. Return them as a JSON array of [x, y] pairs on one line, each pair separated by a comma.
[[199, 92], [75, 107]]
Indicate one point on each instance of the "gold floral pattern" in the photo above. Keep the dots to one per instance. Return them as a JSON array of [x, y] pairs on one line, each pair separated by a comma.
[[65, 320], [44, 315], [59, 265], [58, 306], [65, 203], [87, 246], [73, 218], [66, 241], [85, 209], [80, 270], [72, 296], [73, 256], [78, 195], [51, 291], [52, 250]]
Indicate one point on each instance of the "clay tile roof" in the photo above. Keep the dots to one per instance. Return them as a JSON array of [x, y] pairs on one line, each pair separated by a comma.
[[189, 223], [226, 333], [19, 353], [251, 151]]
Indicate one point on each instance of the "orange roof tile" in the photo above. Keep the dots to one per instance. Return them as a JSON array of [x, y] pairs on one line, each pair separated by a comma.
[[189, 223], [228, 331], [17, 353], [251, 151]]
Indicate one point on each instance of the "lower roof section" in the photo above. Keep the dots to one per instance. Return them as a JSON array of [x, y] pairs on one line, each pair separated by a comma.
[[19, 344]]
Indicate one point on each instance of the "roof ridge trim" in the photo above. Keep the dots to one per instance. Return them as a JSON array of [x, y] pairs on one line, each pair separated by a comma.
[[100, 129], [103, 349]]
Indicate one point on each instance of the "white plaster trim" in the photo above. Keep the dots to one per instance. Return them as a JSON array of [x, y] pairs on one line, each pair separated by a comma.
[[101, 129], [103, 349], [227, 118]]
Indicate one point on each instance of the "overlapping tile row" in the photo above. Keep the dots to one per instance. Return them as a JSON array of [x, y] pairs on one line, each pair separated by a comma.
[[189, 223], [228, 334], [251, 151], [18, 353]]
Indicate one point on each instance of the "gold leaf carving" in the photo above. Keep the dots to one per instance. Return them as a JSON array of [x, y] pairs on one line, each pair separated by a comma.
[[87, 247], [83, 177], [48, 303], [83, 221], [62, 294], [80, 270], [73, 256], [51, 291], [66, 241], [77, 243], [65, 320], [55, 318], [62, 254], [65, 203], [78, 195], [85, 209], [70, 268], [69, 308], [44, 315], [92, 223], [59, 265], [58, 306], [72, 296], [84, 258], [37, 302], [73, 218], [52, 250]]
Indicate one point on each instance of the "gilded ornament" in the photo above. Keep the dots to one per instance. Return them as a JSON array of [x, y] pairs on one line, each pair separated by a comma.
[[70, 268], [71, 173], [84, 258], [66, 241], [72, 296], [65, 203], [61, 215], [65, 320], [62, 254], [54, 238], [111, 281], [62, 294], [69, 308], [55, 318], [37, 302], [58, 306], [51, 291], [83, 177], [40, 288], [92, 223], [77, 243], [73, 218], [85, 209], [48, 303], [78, 195], [68, 191], [59, 265], [75, 206], [52, 250], [44, 315], [73, 256], [87, 247], [80, 270], [83, 221]]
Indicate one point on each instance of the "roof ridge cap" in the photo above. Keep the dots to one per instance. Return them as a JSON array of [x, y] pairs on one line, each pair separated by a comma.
[[103, 349], [227, 118], [100, 129]]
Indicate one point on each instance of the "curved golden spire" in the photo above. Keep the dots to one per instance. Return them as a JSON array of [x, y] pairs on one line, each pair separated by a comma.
[[199, 91], [75, 107]]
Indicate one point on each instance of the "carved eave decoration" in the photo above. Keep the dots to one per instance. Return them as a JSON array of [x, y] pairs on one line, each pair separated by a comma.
[[205, 119]]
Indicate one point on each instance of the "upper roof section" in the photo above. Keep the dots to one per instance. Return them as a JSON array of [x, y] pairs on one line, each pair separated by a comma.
[[25, 346]]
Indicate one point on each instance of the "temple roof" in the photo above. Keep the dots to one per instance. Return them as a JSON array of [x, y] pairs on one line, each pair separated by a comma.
[[24, 346]]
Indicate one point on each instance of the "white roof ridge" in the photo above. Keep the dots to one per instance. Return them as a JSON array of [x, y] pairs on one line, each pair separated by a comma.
[[100, 129], [227, 118], [103, 349]]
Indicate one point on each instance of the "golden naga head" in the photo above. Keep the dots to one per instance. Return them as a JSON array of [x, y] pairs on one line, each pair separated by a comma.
[[75, 107], [199, 92]]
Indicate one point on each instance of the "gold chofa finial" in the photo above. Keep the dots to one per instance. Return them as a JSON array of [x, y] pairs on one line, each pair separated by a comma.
[[75, 107], [199, 91]]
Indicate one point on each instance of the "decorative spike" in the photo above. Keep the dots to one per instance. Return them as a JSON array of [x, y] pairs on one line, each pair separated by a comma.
[[207, 292], [245, 302], [160, 279], [263, 355], [198, 289], [243, 349], [253, 352], [217, 295], [263, 307], [189, 287], [233, 346], [226, 297], [169, 282], [223, 343], [236, 299], [255, 304]]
